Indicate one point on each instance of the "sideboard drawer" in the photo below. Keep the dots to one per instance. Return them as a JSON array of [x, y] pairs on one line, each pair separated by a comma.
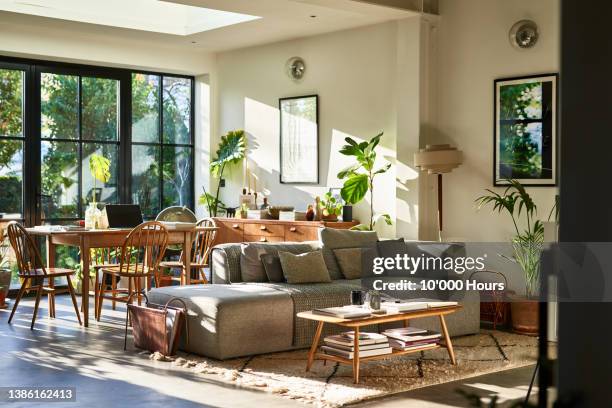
[[299, 233], [263, 238], [267, 230], [229, 232]]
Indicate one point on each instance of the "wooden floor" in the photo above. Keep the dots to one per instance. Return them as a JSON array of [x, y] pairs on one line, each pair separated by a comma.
[[60, 352]]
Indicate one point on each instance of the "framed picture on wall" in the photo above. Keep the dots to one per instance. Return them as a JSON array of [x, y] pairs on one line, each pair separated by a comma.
[[525, 144], [299, 140]]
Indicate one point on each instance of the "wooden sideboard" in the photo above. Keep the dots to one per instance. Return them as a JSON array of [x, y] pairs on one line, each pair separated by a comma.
[[247, 230]]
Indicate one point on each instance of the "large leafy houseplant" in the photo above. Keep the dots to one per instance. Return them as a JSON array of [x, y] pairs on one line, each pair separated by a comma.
[[528, 242], [359, 176], [231, 150], [100, 170]]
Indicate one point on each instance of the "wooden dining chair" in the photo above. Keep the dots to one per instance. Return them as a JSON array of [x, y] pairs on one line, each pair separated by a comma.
[[202, 244], [141, 253], [105, 258], [33, 273]]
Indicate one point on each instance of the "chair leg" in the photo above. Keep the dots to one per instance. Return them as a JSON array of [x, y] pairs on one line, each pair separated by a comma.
[[51, 299], [36, 303], [101, 296], [114, 290], [97, 286], [74, 300], [138, 284], [22, 289]]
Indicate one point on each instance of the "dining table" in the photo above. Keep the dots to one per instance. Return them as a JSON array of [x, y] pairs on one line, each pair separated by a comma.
[[86, 239]]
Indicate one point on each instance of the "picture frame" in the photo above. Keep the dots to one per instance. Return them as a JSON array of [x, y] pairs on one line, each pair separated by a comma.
[[299, 139], [525, 130]]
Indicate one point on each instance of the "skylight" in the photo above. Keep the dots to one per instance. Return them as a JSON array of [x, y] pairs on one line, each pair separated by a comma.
[[147, 15]]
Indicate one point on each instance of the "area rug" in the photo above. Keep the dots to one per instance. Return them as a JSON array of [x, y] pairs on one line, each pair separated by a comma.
[[332, 385]]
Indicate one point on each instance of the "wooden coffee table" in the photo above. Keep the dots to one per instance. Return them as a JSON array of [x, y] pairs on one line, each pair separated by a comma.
[[355, 325]]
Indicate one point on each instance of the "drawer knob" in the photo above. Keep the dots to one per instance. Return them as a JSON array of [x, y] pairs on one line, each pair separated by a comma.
[[292, 229], [235, 226], [262, 239], [263, 228]]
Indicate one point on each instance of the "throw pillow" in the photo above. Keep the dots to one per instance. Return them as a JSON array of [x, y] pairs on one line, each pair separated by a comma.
[[332, 238], [273, 267], [389, 248], [251, 267], [350, 260], [304, 268]]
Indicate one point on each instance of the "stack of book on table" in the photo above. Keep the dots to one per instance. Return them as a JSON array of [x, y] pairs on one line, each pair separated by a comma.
[[370, 344], [344, 312], [410, 338]]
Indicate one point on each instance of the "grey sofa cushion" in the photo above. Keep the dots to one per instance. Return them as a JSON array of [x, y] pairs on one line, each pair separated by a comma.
[[304, 268], [335, 239], [251, 267], [350, 261], [273, 267]]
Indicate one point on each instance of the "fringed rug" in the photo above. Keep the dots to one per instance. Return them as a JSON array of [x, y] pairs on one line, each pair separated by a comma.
[[332, 385]]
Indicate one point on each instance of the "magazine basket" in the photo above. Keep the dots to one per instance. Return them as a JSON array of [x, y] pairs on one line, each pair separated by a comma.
[[494, 305], [157, 327]]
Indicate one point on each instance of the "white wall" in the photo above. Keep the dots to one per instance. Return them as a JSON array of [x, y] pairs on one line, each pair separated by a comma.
[[355, 73], [473, 50]]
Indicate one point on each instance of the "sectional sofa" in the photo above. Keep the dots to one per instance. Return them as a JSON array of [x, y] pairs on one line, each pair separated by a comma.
[[232, 317]]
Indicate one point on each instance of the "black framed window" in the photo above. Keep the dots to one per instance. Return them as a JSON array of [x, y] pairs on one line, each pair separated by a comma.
[[54, 116], [162, 141], [12, 142], [79, 116]]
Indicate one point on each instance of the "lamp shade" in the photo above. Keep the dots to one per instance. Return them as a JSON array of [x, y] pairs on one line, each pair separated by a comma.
[[438, 159]]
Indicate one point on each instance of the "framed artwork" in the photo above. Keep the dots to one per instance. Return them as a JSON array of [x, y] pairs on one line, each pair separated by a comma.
[[299, 140], [525, 134]]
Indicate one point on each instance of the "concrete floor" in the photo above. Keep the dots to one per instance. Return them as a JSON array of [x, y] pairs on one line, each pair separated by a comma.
[[60, 353]]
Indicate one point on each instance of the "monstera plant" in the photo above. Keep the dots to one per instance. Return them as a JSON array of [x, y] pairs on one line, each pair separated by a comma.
[[231, 150], [359, 176]]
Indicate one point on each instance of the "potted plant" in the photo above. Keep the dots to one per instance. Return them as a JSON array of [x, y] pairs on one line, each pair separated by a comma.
[[330, 207], [100, 170], [527, 247], [360, 176], [231, 150]]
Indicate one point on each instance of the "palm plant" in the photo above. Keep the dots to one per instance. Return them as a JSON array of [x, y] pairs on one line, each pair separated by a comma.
[[360, 176], [232, 150], [527, 243]]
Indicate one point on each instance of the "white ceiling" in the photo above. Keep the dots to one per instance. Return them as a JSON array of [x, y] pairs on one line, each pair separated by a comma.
[[280, 20]]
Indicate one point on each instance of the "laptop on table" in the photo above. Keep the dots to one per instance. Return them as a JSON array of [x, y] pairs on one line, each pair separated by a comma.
[[123, 215]]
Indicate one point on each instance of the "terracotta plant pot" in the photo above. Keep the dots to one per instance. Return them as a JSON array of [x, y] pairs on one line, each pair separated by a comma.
[[330, 217], [165, 281], [525, 316]]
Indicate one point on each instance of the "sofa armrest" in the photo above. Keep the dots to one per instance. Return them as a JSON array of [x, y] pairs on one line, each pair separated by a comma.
[[225, 264]]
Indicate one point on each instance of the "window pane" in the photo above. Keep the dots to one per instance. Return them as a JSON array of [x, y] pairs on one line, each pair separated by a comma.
[[145, 108], [177, 110], [105, 192], [99, 120], [11, 103], [11, 178], [60, 179], [59, 106], [177, 176], [145, 178]]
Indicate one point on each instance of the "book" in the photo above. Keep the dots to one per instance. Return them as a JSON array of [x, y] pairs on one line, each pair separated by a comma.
[[361, 346], [436, 303], [349, 342], [350, 354], [257, 214], [377, 337], [406, 331], [292, 215], [398, 345], [343, 312], [401, 307], [412, 338]]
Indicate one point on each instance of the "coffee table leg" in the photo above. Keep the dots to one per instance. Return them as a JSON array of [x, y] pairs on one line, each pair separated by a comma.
[[447, 340], [356, 356], [315, 344]]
